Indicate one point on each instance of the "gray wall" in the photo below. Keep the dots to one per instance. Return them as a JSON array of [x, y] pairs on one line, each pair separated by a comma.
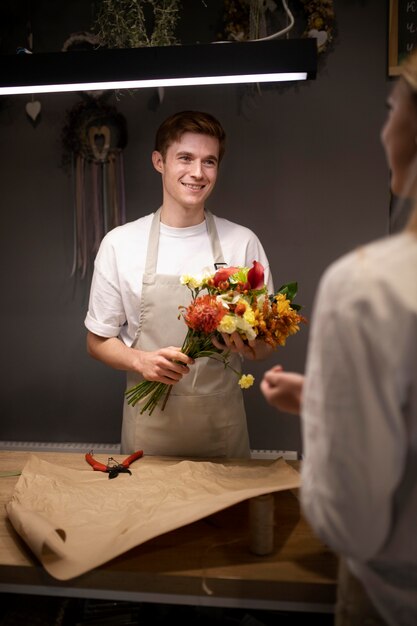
[[304, 168]]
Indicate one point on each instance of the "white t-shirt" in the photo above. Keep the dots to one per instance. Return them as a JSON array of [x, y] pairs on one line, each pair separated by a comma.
[[359, 419], [117, 279]]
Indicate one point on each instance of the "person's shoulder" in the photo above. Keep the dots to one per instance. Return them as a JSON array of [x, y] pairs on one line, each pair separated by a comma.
[[129, 231], [375, 256], [386, 262]]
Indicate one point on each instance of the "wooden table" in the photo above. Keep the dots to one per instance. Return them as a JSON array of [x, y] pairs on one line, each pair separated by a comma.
[[206, 563]]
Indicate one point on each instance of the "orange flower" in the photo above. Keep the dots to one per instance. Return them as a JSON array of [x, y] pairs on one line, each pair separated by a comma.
[[204, 314], [240, 309]]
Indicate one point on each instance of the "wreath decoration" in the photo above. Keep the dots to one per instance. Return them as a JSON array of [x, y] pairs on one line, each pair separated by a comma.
[[320, 22], [247, 19]]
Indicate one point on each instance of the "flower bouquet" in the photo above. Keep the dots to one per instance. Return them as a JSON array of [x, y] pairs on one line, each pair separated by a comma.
[[236, 300]]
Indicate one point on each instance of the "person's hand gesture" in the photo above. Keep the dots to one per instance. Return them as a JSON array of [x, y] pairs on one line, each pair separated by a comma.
[[283, 390], [167, 365], [254, 350]]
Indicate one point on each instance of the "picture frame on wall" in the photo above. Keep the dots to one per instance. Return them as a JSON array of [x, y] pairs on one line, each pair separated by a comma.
[[402, 32]]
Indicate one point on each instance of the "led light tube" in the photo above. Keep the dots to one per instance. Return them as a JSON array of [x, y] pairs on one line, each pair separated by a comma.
[[165, 66]]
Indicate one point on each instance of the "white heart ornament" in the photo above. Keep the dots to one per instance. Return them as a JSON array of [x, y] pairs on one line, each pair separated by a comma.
[[320, 35], [33, 109]]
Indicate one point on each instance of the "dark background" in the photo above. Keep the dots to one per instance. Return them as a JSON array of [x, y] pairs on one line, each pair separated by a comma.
[[304, 168]]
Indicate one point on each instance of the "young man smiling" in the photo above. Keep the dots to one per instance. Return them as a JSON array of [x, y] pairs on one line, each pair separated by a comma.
[[135, 293]]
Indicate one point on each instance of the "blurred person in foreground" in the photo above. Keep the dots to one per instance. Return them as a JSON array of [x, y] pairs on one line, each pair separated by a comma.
[[358, 400]]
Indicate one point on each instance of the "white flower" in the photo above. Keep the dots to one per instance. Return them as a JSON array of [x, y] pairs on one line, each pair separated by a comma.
[[261, 300], [244, 326], [228, 298]]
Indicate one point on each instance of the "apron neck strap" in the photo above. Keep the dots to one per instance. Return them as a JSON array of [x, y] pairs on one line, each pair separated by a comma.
[[153, 242], [214, 239]]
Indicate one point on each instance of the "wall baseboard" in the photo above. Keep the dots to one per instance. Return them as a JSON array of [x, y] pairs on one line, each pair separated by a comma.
[[288, 455], [114, 448], [47, 446]]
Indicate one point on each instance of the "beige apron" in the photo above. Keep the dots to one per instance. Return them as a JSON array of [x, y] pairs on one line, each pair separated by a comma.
[[205, 414]]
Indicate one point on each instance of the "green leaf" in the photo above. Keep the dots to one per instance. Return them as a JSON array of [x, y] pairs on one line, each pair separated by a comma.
[[240, 276], [289, 290]]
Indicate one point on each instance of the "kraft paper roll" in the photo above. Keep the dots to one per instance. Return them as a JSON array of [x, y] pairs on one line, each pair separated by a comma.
[[261, 524]]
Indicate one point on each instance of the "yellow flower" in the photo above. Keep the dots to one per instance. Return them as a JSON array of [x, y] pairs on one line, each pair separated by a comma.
[[288, 322], [283, 303], [194, 282], [185, 279], [249, 316], [246, 321], [227, 325], [246, 381]]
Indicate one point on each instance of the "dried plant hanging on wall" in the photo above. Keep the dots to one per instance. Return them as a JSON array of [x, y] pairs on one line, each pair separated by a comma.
[[137, 23], [94, 137], [258, 19]]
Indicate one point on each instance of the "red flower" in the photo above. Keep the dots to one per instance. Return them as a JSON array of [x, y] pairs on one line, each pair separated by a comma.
[[256, 276], [204, 314], [223, 274]]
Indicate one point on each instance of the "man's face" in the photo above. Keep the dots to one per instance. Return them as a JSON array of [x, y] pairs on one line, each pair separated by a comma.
[[189, 170]]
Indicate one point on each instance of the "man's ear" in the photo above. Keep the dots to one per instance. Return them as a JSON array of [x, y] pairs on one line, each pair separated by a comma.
[[158, 161]]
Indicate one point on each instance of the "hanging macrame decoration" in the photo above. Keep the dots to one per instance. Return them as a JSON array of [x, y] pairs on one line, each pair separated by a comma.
[[94, 137]]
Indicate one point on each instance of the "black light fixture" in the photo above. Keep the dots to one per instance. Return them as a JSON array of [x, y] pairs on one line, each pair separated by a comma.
[[219, 63]]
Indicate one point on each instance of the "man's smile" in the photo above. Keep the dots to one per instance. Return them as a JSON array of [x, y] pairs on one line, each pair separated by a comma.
[[193, 186]]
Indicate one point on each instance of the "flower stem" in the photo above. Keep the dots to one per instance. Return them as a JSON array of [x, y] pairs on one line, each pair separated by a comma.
[[166, 397]]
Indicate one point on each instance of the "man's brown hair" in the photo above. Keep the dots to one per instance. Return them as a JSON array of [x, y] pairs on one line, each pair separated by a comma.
[[176, 125]]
